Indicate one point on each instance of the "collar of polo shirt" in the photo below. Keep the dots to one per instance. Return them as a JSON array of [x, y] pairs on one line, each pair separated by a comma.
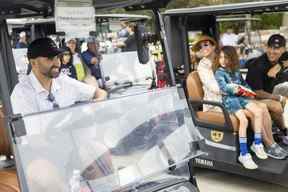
[[38, 87]]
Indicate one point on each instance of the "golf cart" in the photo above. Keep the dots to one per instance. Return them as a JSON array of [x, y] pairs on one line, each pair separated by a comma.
[[104, 146], [220, 130]]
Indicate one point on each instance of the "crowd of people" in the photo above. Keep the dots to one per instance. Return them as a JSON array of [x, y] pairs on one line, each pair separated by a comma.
[[85, 66], [252, 99]]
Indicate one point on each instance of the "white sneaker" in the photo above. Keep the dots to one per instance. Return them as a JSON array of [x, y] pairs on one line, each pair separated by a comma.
[[259, 151], [247, 161]]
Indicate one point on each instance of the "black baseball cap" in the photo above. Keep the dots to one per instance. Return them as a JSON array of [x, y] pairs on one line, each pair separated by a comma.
[[276, 41], [43, 47]]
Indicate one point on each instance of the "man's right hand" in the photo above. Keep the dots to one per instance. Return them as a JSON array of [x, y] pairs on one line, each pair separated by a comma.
[[94, 61]]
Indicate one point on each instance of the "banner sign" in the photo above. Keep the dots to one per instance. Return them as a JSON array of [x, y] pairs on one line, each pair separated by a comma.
[[76, 22]]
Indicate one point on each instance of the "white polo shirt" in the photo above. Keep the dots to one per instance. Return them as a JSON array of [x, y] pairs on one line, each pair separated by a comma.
[[29, 96]]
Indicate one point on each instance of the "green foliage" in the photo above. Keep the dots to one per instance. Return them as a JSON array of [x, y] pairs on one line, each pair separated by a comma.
[[268, 21], [271, 21]]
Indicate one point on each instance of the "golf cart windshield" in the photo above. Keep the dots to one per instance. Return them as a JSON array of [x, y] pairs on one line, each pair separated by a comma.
[[109, 145]]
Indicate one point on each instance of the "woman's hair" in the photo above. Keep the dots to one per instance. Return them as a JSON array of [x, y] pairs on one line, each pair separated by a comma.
[[230, 53], [67, 49]]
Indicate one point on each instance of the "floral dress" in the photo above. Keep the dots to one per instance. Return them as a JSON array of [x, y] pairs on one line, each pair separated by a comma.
[[225, 80]]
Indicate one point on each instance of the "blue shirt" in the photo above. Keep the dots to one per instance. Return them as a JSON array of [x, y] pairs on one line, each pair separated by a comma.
[[20, 45], [94, 68], [225, 80]]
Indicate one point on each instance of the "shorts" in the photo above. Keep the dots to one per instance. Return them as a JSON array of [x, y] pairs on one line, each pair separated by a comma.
[[233, 104]]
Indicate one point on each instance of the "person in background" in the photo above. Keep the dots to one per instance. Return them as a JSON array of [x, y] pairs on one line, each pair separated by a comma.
[[229, 38], [262, 78], [229, 80], [92, 58], [22, 43], [123, 32], [130, 43], [76, 59], [67, 66]]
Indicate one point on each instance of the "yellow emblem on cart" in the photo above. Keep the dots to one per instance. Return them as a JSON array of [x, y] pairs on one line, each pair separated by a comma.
[[217, 136]]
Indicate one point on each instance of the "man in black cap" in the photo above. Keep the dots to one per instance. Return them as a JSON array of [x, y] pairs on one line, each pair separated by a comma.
[[263, 75], [44, 89]]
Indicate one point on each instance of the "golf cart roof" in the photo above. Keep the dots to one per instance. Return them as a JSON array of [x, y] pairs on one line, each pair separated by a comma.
[[123, 16], [27, 21], [235, 8], [32, 8], [25, 8], [234, 18], [131, 4]]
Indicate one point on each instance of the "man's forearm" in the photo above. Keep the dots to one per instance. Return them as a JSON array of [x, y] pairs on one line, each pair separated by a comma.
[[260, 94]]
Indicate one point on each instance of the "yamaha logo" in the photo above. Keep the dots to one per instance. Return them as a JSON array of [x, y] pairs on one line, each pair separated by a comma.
[[204, 162]]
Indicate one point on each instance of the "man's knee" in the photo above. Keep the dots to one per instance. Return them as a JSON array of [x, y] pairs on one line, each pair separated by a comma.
[[273, 106], [43, 176]]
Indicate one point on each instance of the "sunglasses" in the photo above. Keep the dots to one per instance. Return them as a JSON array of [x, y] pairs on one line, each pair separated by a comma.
[[51, 98], [205, 45]]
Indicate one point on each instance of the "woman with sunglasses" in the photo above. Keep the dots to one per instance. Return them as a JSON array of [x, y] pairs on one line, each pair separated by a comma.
[[207, 47]]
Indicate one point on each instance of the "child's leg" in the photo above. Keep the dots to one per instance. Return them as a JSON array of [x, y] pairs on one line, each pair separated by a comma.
[[243, 124], [244, 158]]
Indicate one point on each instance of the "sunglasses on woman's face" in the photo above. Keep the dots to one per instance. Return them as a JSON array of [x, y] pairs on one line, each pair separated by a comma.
[[205, 44]]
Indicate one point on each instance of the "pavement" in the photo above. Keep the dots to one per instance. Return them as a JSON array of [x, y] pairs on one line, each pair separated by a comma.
[[216, 181]]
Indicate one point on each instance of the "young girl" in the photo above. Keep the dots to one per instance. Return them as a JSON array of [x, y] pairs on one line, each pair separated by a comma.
[[229, 80], [67, 66]]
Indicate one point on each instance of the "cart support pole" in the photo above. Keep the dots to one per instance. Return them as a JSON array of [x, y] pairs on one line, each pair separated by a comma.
[[4, 88], [165, 46]]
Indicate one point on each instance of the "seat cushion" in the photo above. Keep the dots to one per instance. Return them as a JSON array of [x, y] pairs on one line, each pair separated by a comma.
[[194, 86], [4, 142], [217, 118], [8, 181]]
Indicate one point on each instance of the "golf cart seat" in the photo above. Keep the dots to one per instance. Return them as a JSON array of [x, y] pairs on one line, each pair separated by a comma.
[[8, 181], [4, 142], [8, 177], [221, 121]]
